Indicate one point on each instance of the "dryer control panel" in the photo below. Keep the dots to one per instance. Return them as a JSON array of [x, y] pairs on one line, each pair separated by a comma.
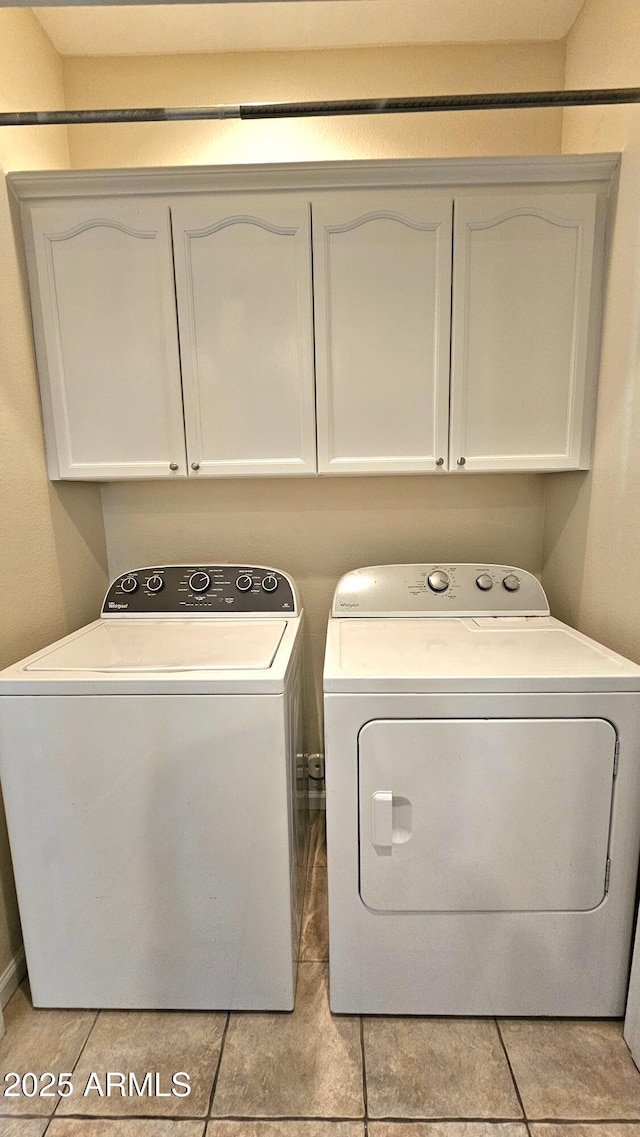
[[440, 590], [201, 590]]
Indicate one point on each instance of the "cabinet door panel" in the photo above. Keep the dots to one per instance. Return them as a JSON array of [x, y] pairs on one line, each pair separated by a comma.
[[106, 336], [243, 279], [521, 310], [382, 268]]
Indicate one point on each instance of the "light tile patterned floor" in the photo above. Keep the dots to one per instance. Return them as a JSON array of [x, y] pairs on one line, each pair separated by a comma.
[[314, 1074]]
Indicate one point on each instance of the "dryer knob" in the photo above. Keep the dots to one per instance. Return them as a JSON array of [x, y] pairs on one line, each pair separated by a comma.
[[244, 582], [129, 584], [438, 581], [155, 583], [511, 582], [484, 581]]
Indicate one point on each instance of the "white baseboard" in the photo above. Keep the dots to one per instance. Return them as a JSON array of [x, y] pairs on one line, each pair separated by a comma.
[[12, 977]]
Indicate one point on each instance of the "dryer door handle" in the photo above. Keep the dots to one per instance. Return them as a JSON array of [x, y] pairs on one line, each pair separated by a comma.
[[382, 819]]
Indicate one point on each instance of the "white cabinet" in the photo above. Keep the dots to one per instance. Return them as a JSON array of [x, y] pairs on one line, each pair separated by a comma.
[[243, 285], [522, 386], [104, 307], [109, 361], [519, 394], [382, 265], [338, 318]]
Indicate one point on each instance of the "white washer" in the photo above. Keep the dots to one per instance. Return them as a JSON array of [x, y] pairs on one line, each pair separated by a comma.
[[153, 777], [483, 799]]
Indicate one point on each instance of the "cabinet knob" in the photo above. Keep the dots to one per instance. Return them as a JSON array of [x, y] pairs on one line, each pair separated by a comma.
[[461, 461], [195, 465], [439, 461], [173, 466]]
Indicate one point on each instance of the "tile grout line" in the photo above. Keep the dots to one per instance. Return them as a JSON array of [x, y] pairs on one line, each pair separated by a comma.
[[262, 1117], [117, 1117], [513, 1077], [447, 1119], [584, 1120], [75, 1065], [365, 1095], [217, 1073], [188, 1117], [333, 1119]]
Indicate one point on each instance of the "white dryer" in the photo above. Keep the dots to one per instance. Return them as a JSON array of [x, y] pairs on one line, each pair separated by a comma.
[[153, 778], [483, 799]]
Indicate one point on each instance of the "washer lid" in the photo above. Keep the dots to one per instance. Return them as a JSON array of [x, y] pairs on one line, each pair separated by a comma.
[[116, 647], [501, 654]]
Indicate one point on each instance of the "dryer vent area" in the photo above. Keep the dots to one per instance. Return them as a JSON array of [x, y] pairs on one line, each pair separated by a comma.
[[315, 1074]]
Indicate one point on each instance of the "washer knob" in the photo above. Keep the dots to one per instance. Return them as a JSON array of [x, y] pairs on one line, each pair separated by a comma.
[[155, 583], [199, 581], [129, 584], [438, 581], [511, 582], [484, 581], [244, 582], [269, 583]]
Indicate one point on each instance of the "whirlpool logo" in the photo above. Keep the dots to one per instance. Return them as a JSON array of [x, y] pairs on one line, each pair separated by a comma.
[[349, 603]]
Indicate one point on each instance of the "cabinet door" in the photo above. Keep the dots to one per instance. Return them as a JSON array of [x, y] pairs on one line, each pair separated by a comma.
[[522, 383], [243, 281], [382, 275], [106, 339]]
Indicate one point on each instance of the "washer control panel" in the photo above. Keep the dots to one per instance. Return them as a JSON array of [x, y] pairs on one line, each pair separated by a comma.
[[201, 590], [440, 590]]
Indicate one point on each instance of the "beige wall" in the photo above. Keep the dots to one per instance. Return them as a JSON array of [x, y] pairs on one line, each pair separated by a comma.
[[592, 527], [317, 529], [53, 564], [197, 80]]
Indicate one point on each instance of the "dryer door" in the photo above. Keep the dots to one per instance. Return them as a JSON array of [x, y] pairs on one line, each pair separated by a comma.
[[485, 814]]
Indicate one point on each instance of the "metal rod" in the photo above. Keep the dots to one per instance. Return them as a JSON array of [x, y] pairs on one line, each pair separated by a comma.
[[325, 108]]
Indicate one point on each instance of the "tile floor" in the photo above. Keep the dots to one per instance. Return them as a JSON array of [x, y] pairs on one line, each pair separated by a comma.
[[312, 1074]]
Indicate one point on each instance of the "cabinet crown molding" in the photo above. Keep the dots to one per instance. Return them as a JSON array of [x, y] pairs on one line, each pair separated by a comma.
[[374, 173]]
